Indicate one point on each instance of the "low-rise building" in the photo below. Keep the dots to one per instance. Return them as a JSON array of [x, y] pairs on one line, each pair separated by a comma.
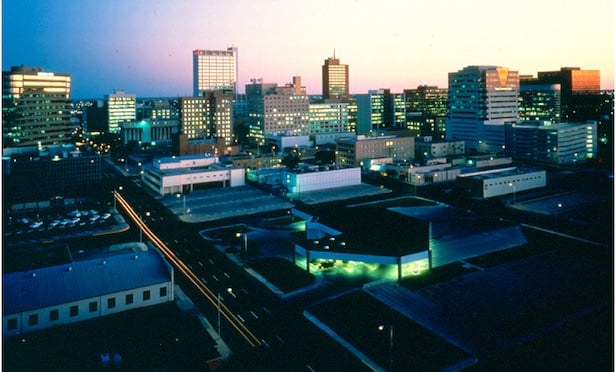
[[85, 289], [563, 143], [498, 182], [312, 178], [354, 151], [186, 173]]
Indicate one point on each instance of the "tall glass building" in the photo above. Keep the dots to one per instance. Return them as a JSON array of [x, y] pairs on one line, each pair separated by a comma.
[[36, 108], [482, 100], [214, 70]]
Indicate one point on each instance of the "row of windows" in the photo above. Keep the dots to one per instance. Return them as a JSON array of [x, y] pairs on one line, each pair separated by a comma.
[[54, 315]]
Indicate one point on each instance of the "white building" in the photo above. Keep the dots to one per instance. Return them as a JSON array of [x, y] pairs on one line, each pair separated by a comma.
[[85, 289], [315, 178], [185, 173], [498, 182]]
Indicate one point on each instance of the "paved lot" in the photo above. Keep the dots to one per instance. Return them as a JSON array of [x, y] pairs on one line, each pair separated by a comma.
[[214, 204]]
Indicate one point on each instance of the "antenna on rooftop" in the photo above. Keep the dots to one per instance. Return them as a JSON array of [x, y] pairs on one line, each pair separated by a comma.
[[334, 53]]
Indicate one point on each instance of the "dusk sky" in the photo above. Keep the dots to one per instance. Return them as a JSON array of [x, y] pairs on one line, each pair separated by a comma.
[[145, 46]]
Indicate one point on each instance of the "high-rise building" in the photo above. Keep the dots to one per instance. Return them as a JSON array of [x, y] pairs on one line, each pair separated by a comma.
[[277, 110], [426, 110], [335, 79], [482, 99], [580, 91], [330, 117], [120, 107], [214, 70], [208, 116], [539, 102], [36, 108]]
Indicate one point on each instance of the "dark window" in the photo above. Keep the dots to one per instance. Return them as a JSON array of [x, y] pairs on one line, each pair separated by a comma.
[[93, 306], [12, 324], [146, 295], [33, 319], [54, 315], [111, 303], [129, 298], [163, 291], [74, 310]]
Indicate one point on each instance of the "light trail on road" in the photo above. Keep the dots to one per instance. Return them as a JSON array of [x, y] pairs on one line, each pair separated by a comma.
[[212, 297]]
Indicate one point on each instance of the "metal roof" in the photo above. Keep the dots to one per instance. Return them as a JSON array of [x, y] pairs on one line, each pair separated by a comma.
[[56, 285]]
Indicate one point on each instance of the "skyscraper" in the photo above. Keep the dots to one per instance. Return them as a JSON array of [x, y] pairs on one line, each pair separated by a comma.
[[35, 107], [335, 79], [482, 99], [426, 110], [580, 91], [208, 116], [120, 107], [214, 70]]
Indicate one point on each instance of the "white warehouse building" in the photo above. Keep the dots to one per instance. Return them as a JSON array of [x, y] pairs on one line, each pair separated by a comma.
[[312, 178], [131, 277], [185, 173], [498, 182]]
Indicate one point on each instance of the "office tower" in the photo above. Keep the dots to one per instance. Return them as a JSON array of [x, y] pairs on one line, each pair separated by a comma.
[[120, 107], [580, 91], [208, 116], [214, 70], [329, 117], [482, 99], [426, 110], [539, 102], [36, 109], [277, 110], [371, 111], [335, 79]]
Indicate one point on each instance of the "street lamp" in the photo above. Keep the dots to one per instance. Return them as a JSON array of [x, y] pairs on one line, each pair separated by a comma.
[[115, 196], [230, 290], [558, 207], [390, 345], [147, 214], [511, 184]]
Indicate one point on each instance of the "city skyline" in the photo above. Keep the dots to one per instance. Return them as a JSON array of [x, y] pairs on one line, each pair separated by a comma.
[[140, 48]]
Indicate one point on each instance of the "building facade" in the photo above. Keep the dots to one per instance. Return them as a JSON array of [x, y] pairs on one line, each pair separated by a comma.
[[563, 143], [277, 110], [187, 173], [208, 116], [313, 178], [355, 151], [498, 182], [578, 87], [36, 108], [335, 78], [482, 99], [426, 110], [214, 70], [56, 295], [153, 131], [539, 102], [330, 117], [120, 107]]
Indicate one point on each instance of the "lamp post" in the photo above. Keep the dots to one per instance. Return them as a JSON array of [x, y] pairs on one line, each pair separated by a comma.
[[511, 184], [147, 214], [230, 290], [390, 345], [115, 197], [558, 207]]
